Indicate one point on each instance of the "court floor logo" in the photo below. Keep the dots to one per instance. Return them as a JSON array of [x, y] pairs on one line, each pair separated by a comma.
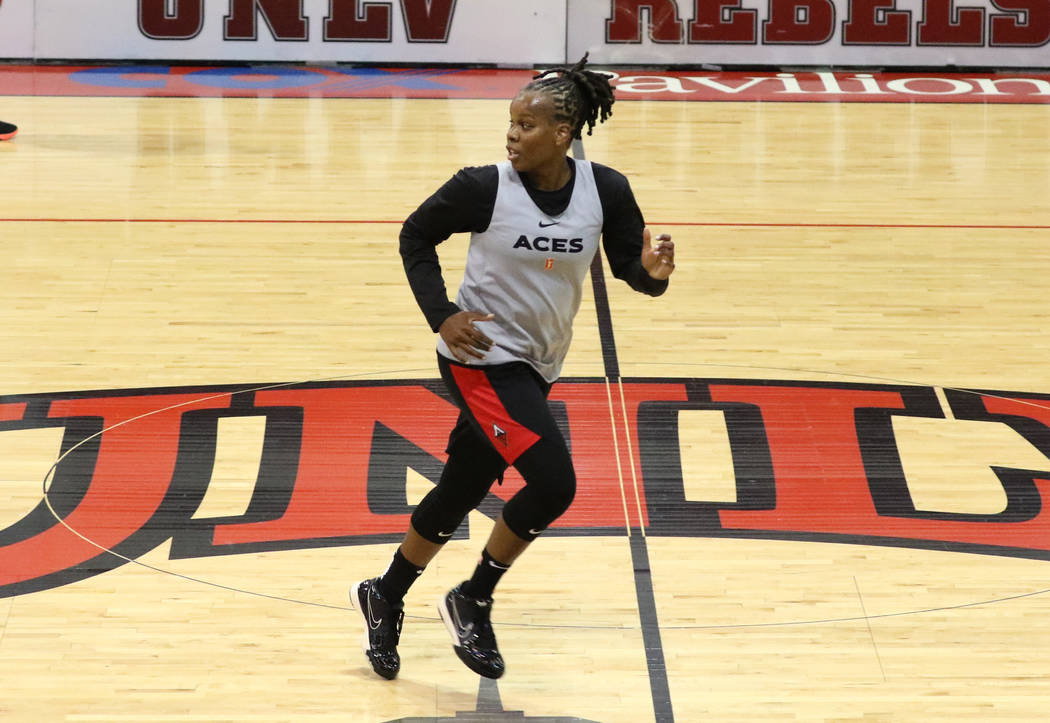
[[810, 461]]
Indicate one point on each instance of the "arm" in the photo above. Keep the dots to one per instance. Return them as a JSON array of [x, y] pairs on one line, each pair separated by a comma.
[[627, 242], [463, 204]]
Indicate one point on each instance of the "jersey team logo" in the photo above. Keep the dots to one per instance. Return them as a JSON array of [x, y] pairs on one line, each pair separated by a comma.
[[549, 245], [814, 462]]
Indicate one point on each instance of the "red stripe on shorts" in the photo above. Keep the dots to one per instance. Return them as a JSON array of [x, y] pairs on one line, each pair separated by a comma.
[[508, 437]]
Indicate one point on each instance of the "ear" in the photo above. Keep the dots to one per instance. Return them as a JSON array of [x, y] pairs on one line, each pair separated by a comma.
[[563, 134]]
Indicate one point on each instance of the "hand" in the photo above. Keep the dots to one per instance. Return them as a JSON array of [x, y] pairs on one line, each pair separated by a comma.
[[464, 339], [659, 261]]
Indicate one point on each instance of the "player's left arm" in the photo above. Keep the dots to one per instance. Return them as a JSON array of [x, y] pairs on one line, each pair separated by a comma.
[[626, 240]]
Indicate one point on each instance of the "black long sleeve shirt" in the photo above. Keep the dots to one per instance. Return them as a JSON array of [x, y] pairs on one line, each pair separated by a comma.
[[464, 204]]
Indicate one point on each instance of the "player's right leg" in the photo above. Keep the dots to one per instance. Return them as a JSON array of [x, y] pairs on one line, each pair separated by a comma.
[[508, 406]]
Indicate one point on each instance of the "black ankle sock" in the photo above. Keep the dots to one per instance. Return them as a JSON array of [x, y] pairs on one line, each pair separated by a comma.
[[486, 575], [398, 578]]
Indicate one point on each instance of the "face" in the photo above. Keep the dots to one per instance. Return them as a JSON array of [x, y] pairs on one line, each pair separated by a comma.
[[534, 139]]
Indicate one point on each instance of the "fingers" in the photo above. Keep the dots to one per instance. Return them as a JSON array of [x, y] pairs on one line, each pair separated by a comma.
[[463, 352], [658, 261], [666, 247], [477, 316], [477, 337], [664, 241], [463, 338]]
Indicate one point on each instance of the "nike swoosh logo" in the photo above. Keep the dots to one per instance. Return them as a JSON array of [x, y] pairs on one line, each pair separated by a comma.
[[446, 534], [462, 630], [534, 532], [372, 622], [552, 223]]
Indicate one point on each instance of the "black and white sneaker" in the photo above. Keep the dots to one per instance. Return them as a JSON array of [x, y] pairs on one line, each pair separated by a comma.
[[382, 627], [467, 620]]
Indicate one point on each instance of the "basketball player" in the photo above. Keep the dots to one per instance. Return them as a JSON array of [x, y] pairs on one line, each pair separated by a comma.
[[535, 221], [7, 131]]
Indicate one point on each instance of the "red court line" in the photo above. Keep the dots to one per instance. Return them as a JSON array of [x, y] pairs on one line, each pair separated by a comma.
[[197, 220], [709, 224], [852, 225]]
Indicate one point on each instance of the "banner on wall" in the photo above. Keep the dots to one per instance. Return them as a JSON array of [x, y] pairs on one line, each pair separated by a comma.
[[16, 29], [933, 33], [884, 33], [372, 31]]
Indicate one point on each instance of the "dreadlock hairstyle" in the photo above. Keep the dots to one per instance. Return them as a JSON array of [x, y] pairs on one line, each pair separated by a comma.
[[580, 96]]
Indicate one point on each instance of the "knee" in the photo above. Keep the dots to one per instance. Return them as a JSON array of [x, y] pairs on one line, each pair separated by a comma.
[[547, 468], [559, 497], [442, 510], [550, 487]]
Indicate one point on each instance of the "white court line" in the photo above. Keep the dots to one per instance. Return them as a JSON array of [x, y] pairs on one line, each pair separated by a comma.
[[630, 456], [616, 454]]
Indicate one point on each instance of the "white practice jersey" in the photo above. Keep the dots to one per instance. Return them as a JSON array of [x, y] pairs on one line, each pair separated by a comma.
[[528, 269]]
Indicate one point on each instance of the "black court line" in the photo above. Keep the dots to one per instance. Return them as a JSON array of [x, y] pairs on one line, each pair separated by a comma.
[[643, 582]]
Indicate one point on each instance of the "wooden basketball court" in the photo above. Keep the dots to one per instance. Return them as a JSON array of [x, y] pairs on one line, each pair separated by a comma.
[[812, 472]]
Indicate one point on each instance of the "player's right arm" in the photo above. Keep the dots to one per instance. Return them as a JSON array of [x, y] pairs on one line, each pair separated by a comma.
[[463, 204]]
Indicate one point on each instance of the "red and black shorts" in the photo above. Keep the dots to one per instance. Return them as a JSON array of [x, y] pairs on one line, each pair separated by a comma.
[[504, 403], [504, 420]]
